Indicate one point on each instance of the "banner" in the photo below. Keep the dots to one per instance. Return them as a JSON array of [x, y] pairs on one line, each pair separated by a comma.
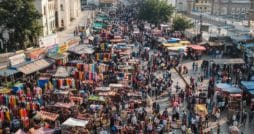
[[63, 48], [53, 50], [37, 54], [48, 41], [73, 42], [17, 59]]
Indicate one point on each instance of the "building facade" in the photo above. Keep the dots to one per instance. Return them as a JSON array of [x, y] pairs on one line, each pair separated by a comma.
[[47, 10], [66, 11], [236, 9], [251, 18], [203, 6], [57, 14], [180, 5]]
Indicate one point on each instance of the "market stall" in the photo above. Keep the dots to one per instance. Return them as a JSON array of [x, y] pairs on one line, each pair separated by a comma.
[[72, 125]]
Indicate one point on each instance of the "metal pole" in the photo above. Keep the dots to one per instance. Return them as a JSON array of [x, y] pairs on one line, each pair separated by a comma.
[[201, 22]]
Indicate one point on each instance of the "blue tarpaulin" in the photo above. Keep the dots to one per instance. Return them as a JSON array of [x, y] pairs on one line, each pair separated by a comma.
[[173, 40], [228, 88], [8, 72], [42, 82], [17, 87], [239, 38], [247, 85]]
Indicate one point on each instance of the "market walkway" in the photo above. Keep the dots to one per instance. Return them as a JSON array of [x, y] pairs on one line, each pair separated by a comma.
[[81, 21]]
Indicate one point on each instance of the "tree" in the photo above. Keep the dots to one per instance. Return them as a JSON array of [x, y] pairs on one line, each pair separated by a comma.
[[181, 23], [20, 19], [155, 11]]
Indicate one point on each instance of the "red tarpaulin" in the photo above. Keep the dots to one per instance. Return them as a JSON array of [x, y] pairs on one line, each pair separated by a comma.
[[197, 47], [48, 116]]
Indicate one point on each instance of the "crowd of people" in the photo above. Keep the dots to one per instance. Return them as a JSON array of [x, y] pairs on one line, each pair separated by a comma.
[[116, 88]]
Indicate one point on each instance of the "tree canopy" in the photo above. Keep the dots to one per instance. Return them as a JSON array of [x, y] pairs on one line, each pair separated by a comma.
[[20, 19], [181, 23], [155, 11]]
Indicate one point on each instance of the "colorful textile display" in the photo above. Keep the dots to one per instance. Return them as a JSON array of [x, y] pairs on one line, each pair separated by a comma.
[[60, 83], [17, 87], [85, 75], [103, 56], [92, 67], [42, 81]]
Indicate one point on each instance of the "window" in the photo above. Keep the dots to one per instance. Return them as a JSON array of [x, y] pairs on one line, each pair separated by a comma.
[[62, 23], [61, 6], [44, 8]]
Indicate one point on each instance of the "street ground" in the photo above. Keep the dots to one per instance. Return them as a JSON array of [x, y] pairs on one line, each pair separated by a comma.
[[164, 103], [81, 21]]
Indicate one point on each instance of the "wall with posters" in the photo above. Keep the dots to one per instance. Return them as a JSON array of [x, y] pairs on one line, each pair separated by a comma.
[[17, 59], [63, 48], [53, 50], [48, 41], [73, 42]]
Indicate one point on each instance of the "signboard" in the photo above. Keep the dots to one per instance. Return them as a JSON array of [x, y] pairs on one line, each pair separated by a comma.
[[37, 54], [74, 41], [17, 59], [63, 48], [53, 50], [106, 1], [205, 28], [48, 41]]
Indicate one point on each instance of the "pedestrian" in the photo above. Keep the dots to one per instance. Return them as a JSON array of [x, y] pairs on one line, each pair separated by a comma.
[[196, 67], [250, 117], [193, 66], [244, 118], [218, 128]]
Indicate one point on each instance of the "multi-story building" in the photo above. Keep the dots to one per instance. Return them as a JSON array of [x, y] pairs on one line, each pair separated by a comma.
[[66, 11], [203, 6], [180, 5], [236, 9], [47, 10], [251, 18]]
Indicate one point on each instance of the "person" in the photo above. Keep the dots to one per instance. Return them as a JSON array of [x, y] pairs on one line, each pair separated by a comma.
[[218, 128], [250, 117], [193, 66], [244, 118]]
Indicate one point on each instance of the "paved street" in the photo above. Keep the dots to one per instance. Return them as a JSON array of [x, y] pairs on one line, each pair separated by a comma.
[[81, 21]]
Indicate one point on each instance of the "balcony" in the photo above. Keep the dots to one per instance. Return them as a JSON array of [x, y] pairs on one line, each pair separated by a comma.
[[251, 14]]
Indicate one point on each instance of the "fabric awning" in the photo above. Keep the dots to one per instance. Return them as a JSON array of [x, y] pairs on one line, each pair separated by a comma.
[[82, 49], [197, 47], [75, 122], [34, 66], [247, 85], [182, 48], [47, 115], [58, 56], [228, 88], [64, 105], [20, 131], [5, 91], [172, 45], [102, 89], [116, 85], [7, 72], [229, 61], [61, 72]]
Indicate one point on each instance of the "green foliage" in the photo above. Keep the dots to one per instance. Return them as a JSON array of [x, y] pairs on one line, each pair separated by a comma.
[[20, 18], [155, 11], [181, 23]]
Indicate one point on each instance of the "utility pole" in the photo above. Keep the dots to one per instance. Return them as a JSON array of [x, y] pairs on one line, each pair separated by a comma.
[[201, 23]]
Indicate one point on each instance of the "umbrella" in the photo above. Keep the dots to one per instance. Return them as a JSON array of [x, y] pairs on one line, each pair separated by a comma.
[[234, 130], [20, 131], [175, 104]]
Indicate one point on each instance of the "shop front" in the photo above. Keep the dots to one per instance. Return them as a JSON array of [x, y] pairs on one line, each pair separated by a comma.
[[58, 54]]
